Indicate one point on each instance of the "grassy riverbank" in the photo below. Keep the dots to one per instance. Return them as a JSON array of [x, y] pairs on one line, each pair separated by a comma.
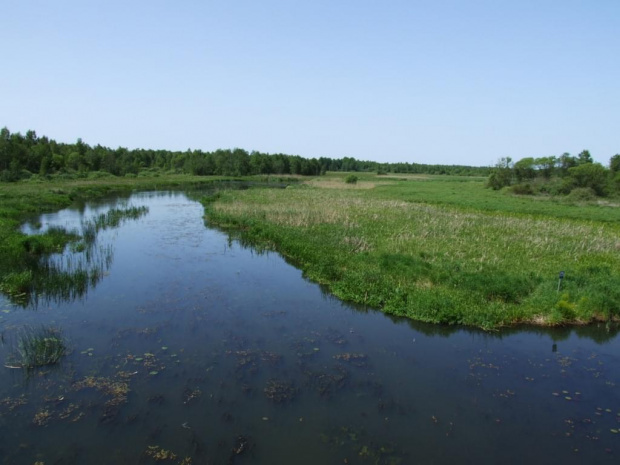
[[441, 250], [436, 249]]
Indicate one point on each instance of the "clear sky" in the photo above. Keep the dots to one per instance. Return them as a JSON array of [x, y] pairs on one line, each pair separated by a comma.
[[452, 82]]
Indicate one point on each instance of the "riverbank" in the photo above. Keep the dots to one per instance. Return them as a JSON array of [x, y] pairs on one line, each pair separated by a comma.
[[433, 249], [439, 250]]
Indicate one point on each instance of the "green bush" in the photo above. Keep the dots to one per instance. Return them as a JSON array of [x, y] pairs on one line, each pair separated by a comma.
[[581, 194], [522, 189], [592, 175], [351, 179]]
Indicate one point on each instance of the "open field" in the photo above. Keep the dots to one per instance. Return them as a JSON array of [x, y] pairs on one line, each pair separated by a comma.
[[439, 250]]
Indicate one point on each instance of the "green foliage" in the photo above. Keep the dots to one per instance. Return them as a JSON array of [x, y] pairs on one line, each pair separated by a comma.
[[590, 175], [542, 175], [502, 174], [20, 156], [351, 179], [615, 183], [522, 189], [38, 347], [581, 194], [524, 169]]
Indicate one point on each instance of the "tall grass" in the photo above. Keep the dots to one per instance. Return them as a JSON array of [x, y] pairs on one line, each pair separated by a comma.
[[437, 262], [37, 347]]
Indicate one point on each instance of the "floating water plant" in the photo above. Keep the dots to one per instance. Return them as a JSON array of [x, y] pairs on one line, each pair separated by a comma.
[[38, 347]]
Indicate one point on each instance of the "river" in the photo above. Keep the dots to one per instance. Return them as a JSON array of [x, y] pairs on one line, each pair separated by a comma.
[[192, 348]]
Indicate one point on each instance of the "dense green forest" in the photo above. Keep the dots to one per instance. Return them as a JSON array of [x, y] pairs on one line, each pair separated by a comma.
[[566, 174], [24, 156]]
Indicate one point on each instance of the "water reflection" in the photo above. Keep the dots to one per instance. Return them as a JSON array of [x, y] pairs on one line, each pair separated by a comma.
[[599, 332], [68, 275], [195, 349]]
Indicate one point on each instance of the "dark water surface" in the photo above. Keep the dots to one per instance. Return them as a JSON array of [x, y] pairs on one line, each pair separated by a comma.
[[195, 346]]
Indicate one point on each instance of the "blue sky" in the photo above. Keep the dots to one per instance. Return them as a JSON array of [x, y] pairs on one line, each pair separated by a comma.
[[452, 82]]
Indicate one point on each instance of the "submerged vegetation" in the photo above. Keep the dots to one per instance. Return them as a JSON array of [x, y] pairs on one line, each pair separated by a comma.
[[439, 261], [37, 347]]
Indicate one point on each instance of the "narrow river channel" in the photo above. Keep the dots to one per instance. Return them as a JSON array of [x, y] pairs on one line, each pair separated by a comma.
[[191, 348]]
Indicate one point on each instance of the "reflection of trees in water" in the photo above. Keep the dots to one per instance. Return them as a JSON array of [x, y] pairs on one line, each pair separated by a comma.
[[67, 276]]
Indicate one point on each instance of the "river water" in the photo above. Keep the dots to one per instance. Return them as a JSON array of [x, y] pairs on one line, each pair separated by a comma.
[[192, 348]]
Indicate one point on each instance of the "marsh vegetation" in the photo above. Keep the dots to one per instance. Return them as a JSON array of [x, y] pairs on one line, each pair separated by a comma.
[[440, 250], [195, 348], [37, 347]]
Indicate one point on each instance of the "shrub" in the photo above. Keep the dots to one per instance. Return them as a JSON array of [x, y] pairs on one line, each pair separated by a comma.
[[522, 189], [351, 179], [581, 194], [592, 175]]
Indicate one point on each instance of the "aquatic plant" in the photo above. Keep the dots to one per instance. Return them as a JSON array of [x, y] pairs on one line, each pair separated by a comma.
[[38, 347], [115, 216], [280, 391]]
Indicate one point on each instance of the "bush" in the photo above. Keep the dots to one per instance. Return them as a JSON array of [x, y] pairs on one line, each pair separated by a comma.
[[581, 194], [522, 189], [100, 175], [592, 175], [351, 179], [615, 183]]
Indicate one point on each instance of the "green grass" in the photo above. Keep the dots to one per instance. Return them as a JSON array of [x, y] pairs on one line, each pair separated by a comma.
[[439, 250], [38, 347]]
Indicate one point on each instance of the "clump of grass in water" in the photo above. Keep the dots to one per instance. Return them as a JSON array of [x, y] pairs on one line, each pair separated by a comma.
[[38, 347], [115, 216]]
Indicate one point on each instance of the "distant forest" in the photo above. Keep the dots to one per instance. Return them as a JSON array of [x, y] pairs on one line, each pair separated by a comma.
[[25, 156]]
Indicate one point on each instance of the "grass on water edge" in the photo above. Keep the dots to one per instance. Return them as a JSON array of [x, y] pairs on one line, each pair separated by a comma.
[[20, 254], [432, 248], [439, 250]]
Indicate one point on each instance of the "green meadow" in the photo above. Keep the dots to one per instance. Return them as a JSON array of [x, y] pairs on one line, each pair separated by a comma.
[[439, 249]]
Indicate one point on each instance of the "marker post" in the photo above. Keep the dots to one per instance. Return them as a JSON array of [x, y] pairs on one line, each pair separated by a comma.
[[560, 281]]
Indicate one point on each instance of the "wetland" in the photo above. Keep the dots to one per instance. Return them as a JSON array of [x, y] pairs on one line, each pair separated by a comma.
[[185, 344]]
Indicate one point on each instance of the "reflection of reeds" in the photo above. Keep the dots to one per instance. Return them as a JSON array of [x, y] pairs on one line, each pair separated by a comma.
[[38, 347], [66, 276], [111, 219]]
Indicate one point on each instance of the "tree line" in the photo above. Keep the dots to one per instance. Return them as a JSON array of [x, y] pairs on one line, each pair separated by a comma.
[[557, 175], [24, 156]]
